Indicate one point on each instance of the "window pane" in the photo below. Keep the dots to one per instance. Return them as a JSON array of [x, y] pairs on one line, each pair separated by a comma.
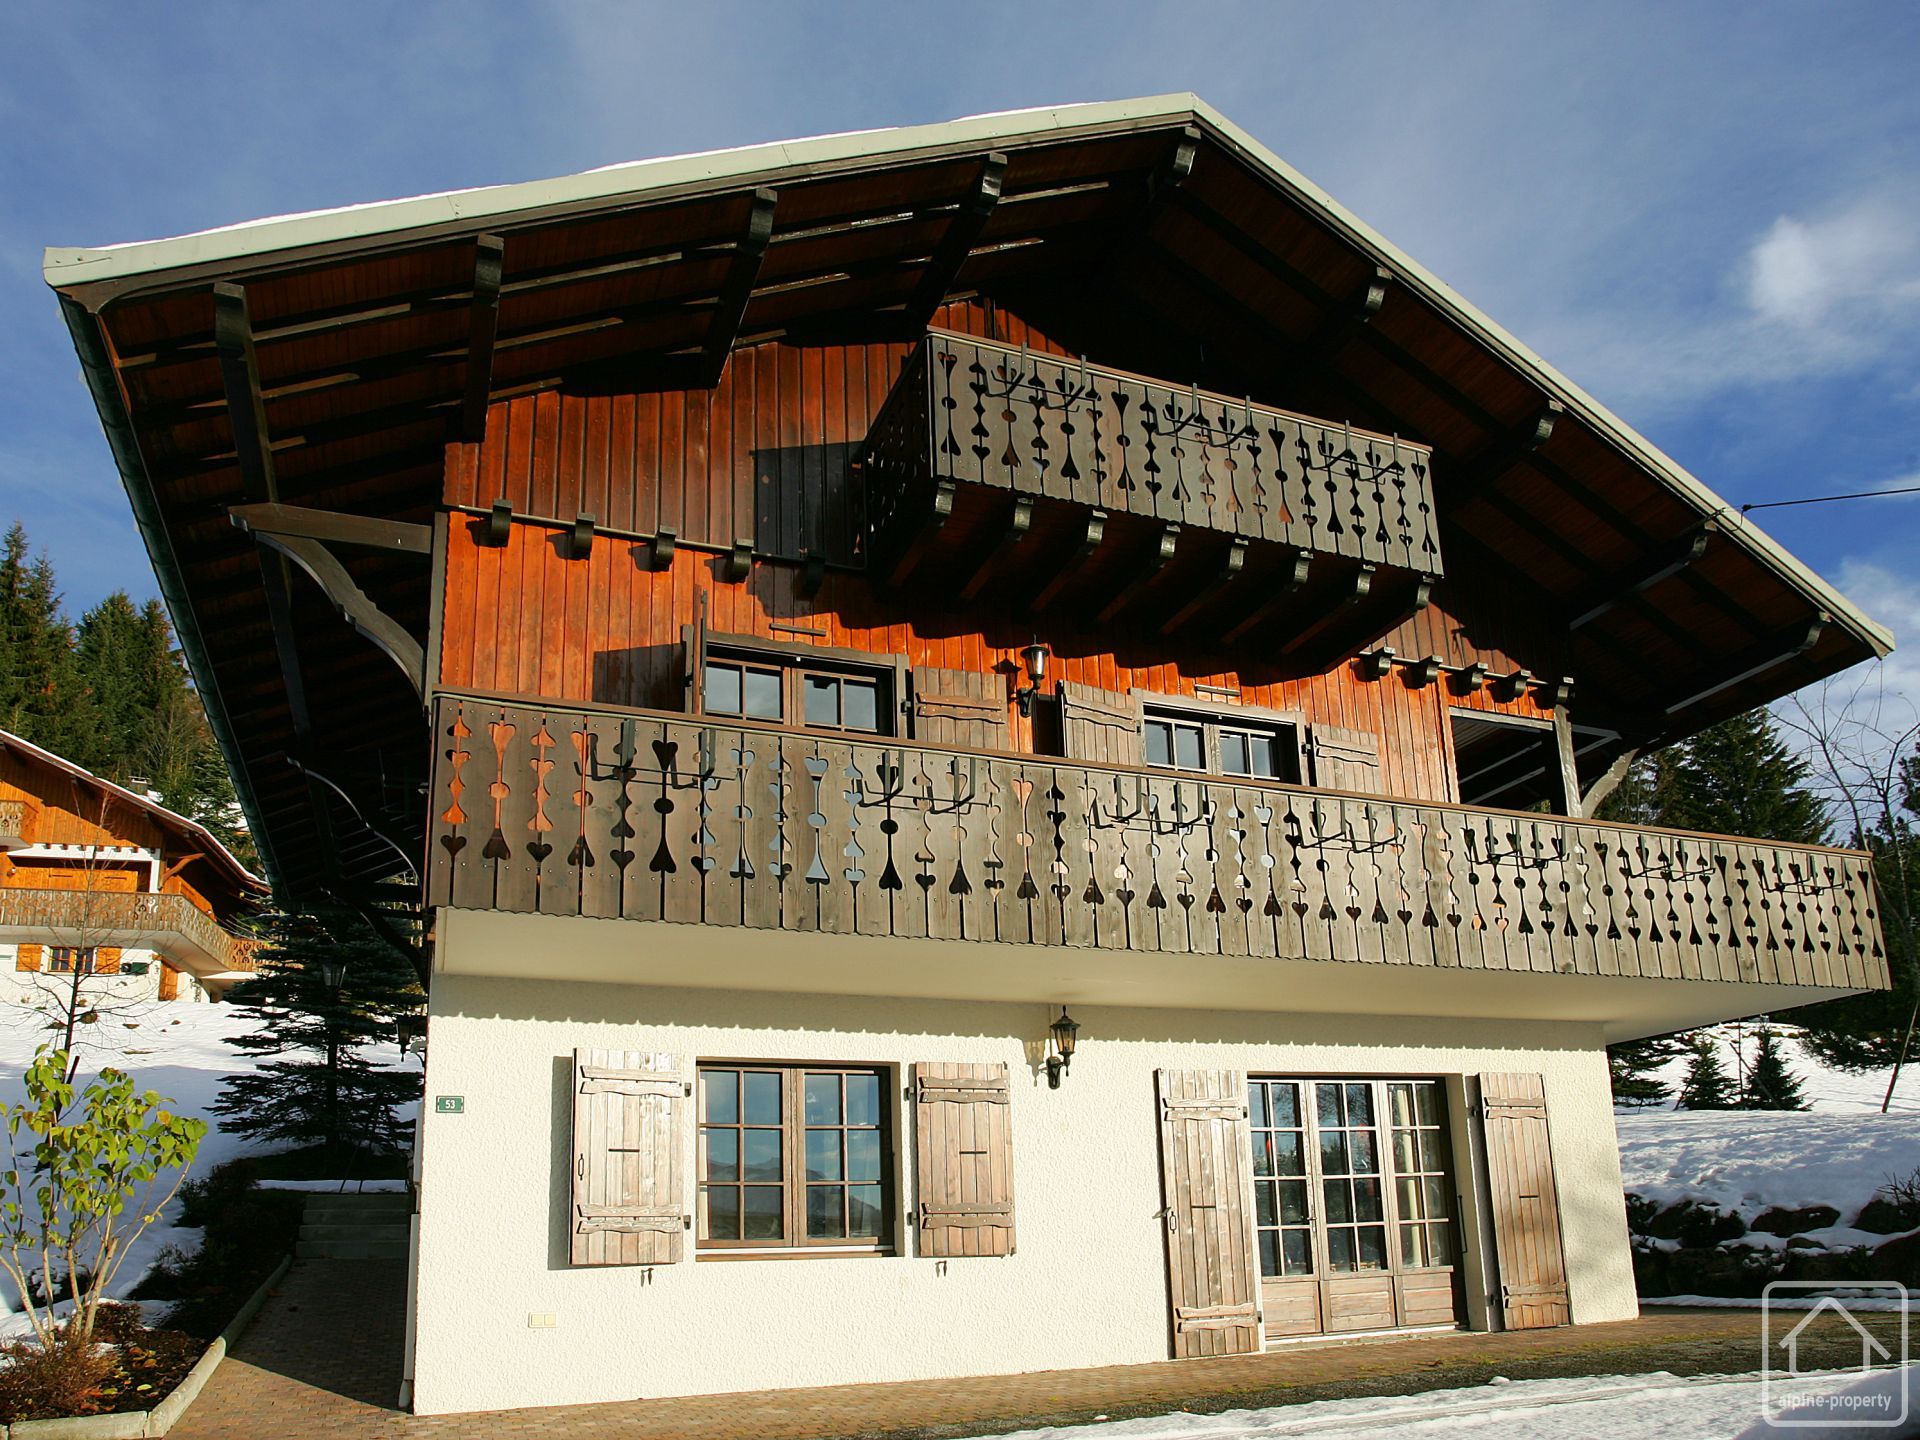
[[763, 1155], [1262, 757], [823, 700], [1373, 1247], [1159, 743], [1263, 1203], [1364, 1162], [823, 1099], [1439, 1245], [863, 1099], [1333, 1152], [1339, 1202], [761, 1219], [1366, 1200], [1298, 1251], [1427, 1099], [1436, 1196], [723, 1155], [1257, 1096], [1400, 1104], [720, 1094], [723, 1213], [1329, 1104], [1340, 1250], [1263, 1154], [863, 1154], [1359, 1104], [1293, 1202], [823, 1155], [1288, 1158], [723, 689], [1286, 1105], [763, 1098], [1233, 752], [762, 694], [1269, 1252], [1412, 1250], [860, 705], [1406, 1156], [1187, 749], [863, 1210], [824, 1217], [1430, 1150], [1407, 1192]]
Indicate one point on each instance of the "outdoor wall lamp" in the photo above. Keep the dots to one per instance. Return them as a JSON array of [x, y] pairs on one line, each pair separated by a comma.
[[333, 974], [1064, 1030], [1036, 657]]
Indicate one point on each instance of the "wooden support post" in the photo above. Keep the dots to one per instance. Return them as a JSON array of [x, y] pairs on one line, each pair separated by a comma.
[[1568, 766], [998, 550], [1067, 568], [1609, 780], [730, 306], [949, 257], [489, 258]]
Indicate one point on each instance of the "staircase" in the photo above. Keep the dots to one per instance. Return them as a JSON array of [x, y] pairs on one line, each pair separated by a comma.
[[355, 1227]]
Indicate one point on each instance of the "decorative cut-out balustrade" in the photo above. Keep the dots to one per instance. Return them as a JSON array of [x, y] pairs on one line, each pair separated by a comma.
[[967, 411], [654, 817]]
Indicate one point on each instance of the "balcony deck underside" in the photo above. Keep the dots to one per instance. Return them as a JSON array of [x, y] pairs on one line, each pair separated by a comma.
[[546, 949]]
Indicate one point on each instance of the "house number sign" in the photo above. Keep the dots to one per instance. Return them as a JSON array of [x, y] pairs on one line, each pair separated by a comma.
[[450, 1104]]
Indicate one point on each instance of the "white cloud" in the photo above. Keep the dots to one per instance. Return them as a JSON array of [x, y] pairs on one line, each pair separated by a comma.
[[1802, 272]]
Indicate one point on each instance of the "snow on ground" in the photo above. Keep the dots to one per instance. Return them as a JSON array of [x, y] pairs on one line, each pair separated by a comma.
[[177, 1049], [1620, 1407]]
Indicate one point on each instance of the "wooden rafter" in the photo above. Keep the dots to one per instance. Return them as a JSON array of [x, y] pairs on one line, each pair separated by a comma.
[[1150, 565], [950, 255], [489, 257], [1072, 560], [333, 528], [1232, 564], [1663, 566], [1000, 548], [730, 308], [1777, 649]]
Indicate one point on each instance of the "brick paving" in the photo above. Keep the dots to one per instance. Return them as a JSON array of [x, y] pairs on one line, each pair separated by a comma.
[[323, 1359]]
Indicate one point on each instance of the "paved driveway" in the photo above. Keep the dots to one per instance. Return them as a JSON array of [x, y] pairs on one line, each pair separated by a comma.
[[323, 1359]]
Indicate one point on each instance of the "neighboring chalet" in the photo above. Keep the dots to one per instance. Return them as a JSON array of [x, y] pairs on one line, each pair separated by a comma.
[[813, 611], [101, 882]]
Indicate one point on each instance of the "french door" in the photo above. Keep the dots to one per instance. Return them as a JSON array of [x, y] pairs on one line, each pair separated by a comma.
[[1353, 1204]]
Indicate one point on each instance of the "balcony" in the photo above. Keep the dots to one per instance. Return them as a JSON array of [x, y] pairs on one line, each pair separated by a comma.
[[172, 925], [988, 466], [649, 816], [13, 825]]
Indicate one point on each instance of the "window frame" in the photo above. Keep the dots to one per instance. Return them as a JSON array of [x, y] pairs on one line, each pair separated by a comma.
[[91, 954], [1288, 729], [795, 1242], [796, 664]]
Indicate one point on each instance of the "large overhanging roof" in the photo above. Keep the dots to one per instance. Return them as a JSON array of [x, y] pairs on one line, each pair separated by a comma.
[[1139, 230]]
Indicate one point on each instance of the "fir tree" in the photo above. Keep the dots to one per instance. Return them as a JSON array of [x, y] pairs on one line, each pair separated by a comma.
[[320, 1089], [1770, 1085], [1706, 1086], [1632, 1064], [42, 696], [1739, 778]]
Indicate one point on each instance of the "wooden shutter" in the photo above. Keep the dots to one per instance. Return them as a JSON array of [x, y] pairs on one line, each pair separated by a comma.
[[169, 982], [1345, 759], [27, 957], [1101, 725], [960, 707], [964, 1159], [629, 1118], [1205, 1184], [1526, 1206], [106, 960]]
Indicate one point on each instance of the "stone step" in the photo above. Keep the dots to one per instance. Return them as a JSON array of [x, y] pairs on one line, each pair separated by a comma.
[[351, 1206], [351, 1249], [358, 1230]]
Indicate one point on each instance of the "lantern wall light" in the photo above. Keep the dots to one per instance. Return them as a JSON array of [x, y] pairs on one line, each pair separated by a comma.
[[1035, 656], [1064, 1030]]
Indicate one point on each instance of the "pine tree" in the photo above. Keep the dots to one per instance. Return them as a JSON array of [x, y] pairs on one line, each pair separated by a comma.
[[320, 1089], [1632, 1064], [1739, 778], [1770, 1085], [42, 697], [1706, 1086]]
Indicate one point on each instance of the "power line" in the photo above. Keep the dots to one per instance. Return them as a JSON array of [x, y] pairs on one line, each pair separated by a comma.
[[1826, 499]]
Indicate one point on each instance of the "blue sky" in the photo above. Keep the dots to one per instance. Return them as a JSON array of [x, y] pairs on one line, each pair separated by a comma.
[[1707, 215]]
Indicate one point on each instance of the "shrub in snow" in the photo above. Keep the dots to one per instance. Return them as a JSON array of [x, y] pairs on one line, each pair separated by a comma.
[[1706, 1086], [1776, 1220], [1770, 1085]]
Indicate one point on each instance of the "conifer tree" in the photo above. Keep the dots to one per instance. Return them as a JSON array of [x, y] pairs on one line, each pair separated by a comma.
[[1632, 1066], [319, 1087], [1706, 1086], [42, 697], [1739, 778], [1770, 1085]]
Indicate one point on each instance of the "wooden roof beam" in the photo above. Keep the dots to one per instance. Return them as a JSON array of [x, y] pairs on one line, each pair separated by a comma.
[[489, 255], [1498, 459], [1775, 650], [1663, 566], [1072, 560], [950, 255], [730, 309], [332, 527], [1287, 583], [1000, 548], [1210, 586], [1139, 577]]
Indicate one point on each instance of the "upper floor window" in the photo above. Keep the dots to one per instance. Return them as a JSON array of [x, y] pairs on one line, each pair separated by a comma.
[[798, 690], [69, 959], [1255, 750]]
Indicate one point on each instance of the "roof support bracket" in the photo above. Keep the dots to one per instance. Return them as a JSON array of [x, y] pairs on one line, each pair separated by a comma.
[[1488, 467], [1670, 562], [730, 308], [950, 255], [1776, 650], [326, 571], [489, 256]]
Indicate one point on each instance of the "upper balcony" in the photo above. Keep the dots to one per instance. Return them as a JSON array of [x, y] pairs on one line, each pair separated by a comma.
[[1121, 491], [172, 925], [14, 815], [647, 816]]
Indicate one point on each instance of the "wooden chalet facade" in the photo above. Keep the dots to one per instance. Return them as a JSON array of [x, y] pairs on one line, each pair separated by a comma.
[[100, 882], [768, 629]]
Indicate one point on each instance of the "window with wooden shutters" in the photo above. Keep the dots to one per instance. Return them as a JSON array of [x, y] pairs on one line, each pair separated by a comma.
[[1205, 1145], [1526, 1205], [964, 1159], [960, 707], [1346, 759], [629, 1133], [1100, 725], [27, 957]]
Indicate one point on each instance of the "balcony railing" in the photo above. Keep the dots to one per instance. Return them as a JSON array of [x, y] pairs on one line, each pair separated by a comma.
[[171, 924], [647, 816], [13, 825]]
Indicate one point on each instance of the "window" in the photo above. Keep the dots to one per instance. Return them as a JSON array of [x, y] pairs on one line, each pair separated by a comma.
[[1350, 1177], [794, 1156], [1420, 1173], [1255, 750], [67, 959], [796, 689], [1280, 1179]]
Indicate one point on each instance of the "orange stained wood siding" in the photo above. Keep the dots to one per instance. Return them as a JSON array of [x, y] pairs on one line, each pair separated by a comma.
[[71, 813], [523, 619], [762, 456]]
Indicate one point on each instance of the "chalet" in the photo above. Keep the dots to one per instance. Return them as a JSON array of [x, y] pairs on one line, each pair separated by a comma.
[[103, 887], [985, 734]]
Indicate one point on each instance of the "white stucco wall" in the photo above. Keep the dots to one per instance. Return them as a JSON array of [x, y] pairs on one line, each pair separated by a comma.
[[31, 987], [1086, 1286]]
